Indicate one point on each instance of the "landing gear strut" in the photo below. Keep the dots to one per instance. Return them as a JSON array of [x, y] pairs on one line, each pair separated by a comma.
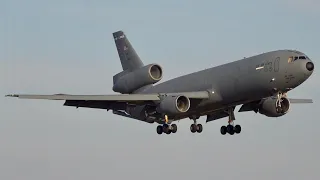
[[196, 127], [279, 108], [230, 128]]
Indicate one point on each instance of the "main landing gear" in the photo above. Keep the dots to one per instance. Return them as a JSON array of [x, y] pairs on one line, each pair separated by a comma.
[[196, 127], [167, 128], [230, 129]]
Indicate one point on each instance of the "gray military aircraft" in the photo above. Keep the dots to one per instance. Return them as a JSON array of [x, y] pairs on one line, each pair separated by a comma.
[[259, 84]]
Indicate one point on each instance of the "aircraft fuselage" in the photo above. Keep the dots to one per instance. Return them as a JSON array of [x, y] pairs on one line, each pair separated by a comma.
[[241, 81]]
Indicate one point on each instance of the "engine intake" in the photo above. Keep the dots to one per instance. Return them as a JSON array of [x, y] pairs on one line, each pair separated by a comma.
[[155, 72], [174, 105], [270, 108], [138, 78]]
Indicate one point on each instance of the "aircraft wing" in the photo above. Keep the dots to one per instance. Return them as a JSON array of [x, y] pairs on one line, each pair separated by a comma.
[[300, 101], [252, 106], [113, 97], [116, 97], [112, 101]]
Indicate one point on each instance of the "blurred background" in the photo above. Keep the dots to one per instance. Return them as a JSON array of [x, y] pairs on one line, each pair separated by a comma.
[[66, 46]]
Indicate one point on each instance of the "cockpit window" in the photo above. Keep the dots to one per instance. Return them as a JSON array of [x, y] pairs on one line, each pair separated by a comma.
[[291, 59]]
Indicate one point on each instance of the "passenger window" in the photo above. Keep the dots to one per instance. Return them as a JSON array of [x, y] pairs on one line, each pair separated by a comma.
[[302, 57], [296, 58], [290, 60]]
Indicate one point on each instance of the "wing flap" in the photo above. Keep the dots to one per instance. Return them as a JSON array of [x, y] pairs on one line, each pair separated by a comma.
[[95, 104]]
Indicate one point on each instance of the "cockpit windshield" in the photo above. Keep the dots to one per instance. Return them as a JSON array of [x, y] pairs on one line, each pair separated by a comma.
[[294, 58]]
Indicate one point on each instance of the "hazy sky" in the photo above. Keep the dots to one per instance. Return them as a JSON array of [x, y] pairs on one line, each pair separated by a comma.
[[66, 46]]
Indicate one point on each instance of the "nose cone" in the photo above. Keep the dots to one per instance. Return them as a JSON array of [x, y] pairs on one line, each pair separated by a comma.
[[310, 66], [307, 68]]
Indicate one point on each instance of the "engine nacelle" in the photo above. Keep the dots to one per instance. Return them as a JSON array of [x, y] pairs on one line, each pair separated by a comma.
[[174, 105], [269, 107], [138, 78]]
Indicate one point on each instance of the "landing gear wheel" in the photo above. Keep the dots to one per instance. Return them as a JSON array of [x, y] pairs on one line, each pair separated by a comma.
[[166, 129], [159, 129], [230, 129], [193, 128], [223, 130], [174, 128], [237, 129], [199, 128]]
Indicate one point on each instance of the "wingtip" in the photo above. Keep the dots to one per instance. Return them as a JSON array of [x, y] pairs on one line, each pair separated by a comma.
[[11, 95]]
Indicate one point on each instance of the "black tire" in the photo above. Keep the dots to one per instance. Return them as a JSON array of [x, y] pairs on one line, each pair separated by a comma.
[[223, 130], [174, 128], [230, 129], [199, 128], [193, 128], [159, 129], [237, 129], [166, 129], [165, 126]]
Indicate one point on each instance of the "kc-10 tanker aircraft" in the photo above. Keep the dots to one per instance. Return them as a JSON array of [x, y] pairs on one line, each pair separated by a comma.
[[259, 83]]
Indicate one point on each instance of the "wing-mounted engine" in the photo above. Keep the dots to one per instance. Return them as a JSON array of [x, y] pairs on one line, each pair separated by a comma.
[[138, 78], [172, 105], [274, 107]]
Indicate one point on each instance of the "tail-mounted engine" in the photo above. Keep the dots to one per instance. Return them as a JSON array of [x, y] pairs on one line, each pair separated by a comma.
[[138, 78], [274, 107]]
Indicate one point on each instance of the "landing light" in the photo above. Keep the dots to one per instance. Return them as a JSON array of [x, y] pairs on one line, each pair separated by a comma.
[[273, 79], [261, 67]]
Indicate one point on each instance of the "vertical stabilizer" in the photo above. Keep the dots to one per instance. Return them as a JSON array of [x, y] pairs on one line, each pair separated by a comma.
[[128, 56]]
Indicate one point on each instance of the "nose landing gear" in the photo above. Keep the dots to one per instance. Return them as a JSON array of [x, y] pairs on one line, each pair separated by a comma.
[[279, 107]]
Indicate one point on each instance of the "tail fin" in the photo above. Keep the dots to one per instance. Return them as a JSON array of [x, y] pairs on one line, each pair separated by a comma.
[[128, 56]]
